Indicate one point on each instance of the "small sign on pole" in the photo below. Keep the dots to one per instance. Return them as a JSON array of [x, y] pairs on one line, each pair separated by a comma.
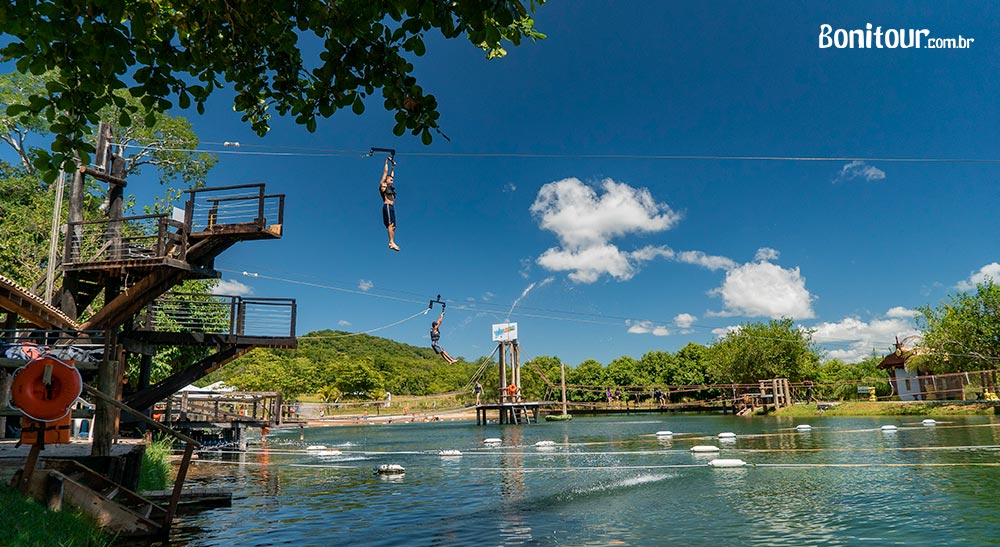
[[505, 332]]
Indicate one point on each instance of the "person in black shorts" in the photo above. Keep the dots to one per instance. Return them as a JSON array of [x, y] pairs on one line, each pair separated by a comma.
[[436, 337], [388, 193]]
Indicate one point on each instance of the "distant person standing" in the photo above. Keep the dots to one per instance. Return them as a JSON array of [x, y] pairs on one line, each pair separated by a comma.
[[388, 193], [478, 390], [809, 390], [436, 337]]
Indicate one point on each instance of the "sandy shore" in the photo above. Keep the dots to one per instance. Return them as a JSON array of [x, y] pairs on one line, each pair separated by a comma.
[[463, 414]]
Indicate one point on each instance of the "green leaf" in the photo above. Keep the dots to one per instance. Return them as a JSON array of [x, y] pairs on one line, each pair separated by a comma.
[[359, 106]]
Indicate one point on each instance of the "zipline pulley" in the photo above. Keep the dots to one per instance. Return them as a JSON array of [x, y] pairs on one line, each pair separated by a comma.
[[390, 151], [430, 305]]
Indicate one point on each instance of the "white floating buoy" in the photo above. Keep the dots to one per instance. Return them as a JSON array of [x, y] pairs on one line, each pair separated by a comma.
[[545, 443], [390, 469], [450, 453], [803, 427], [929, 422], [704, 448], [727, 435], [723, 462], [492, 440], [664, 433], [888, 428]]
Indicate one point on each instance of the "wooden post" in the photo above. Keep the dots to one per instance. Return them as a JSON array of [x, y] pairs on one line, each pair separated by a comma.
[[515, 363], [9, 335], [503, 374], [32, 462], [105, 414], [175, 496], [562, 375]]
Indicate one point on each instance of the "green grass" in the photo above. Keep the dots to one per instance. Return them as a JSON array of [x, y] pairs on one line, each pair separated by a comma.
[[866, 408], [156, 468], [26, 523]]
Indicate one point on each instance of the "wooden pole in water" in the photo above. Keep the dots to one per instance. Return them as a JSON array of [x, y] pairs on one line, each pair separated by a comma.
[[562, 370], [503, 372]]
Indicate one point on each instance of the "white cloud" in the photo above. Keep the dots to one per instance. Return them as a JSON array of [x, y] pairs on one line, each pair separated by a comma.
[[762, 289], [525, 269], [647, 327], [987, 272], [859, 169], [344, 323], [487, 296], [684, 320], [586, 222], [699, 258], [860, 338], [722, 331], [231, 287], [766, 253], [854, 339], [901, 312], [509, 187], [365, 285]]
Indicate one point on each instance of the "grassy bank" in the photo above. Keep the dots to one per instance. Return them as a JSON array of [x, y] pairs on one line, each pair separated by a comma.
[[866, 408], [156, 472], [26, 523]]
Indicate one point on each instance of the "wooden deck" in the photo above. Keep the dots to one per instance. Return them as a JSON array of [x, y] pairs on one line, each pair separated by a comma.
[[508, 413]]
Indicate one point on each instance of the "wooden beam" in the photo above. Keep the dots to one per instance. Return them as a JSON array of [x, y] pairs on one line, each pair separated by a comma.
[[165, 388], [142, 417], [103, 177]]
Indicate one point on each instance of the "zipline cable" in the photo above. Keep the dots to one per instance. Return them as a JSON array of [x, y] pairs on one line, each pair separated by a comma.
[[319, 152], [376, 329], [461, 307]]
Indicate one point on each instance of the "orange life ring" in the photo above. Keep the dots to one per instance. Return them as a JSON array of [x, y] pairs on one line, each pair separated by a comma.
[[41, 402]]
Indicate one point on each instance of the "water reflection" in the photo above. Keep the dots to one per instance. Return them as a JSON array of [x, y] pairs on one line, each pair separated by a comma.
[[608, 481]]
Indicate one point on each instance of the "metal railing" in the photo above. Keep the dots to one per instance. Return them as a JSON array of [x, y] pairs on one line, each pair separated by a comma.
[[208, 208], [131, 238], [219, 314]]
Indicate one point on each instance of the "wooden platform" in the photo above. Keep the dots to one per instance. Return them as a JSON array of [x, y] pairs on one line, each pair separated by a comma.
[[508, 413]]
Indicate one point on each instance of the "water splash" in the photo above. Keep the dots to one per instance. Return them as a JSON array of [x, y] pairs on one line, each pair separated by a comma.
[[525, 292]]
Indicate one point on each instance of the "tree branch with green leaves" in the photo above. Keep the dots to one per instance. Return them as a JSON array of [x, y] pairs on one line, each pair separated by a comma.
[[178, 52]]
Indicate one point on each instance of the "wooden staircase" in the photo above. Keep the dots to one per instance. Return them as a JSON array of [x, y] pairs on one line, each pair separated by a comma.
[[114, 507]]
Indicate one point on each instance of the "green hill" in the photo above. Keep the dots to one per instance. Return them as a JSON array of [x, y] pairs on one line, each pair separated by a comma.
[[347, 365]]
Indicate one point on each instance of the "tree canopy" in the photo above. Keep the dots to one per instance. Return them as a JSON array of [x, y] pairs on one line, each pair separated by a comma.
[[758, 351], [303, 59], [26, 202], [961, 334]]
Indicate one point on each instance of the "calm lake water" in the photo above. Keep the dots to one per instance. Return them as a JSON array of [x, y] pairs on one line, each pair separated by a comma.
[[612, 481]]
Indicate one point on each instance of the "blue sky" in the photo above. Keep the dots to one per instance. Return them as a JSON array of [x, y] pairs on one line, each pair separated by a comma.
[[556, 190]]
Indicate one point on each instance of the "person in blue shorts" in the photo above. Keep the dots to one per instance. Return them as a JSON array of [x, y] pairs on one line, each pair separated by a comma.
[[388, 193], [436, 337]]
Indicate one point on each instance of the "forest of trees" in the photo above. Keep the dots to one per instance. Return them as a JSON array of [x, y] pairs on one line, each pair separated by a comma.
[[339, 365]]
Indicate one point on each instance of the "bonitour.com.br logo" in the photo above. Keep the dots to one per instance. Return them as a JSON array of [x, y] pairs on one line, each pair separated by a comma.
[[876, 37]]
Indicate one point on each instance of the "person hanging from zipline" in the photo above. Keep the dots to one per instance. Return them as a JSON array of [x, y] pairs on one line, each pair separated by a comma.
[[436, 336], [388, 193]]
